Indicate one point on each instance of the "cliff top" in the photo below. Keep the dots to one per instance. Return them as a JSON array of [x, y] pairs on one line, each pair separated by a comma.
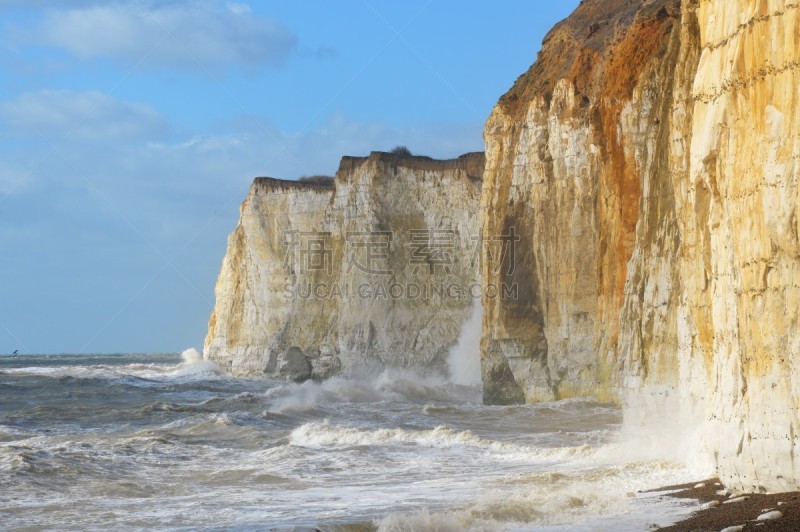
[[473, 162], [272, 183], [579, 47]]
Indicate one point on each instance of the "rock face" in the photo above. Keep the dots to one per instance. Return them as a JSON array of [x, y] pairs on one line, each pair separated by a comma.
[[380, 268], [648, 164], [568, 149], [736, 198]]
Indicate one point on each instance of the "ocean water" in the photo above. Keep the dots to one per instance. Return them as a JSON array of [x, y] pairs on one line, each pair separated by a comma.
[[167, 441]]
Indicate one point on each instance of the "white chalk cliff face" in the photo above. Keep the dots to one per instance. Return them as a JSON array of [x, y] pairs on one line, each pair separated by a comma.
[[378, 269], [736, 158], [649, 162]]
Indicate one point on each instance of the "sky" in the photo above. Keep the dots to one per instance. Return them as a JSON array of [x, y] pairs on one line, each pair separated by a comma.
[[131, 131]]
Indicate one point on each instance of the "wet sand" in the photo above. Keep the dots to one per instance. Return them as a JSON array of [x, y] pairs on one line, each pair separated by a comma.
[[739, 512]]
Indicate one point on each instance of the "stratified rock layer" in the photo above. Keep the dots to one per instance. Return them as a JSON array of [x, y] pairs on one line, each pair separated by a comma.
[[648, 163], [568, 149], [735, 156], [380, 268]]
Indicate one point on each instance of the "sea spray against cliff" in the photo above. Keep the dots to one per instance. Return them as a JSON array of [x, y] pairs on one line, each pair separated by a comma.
[[464, 361], [659, 422], [369, 385], [193, 363], [191, 355]]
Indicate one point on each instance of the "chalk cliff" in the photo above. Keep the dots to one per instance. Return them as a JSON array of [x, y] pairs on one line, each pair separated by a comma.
[[646, 170], [639, 237], [379, 268], [568, 151]]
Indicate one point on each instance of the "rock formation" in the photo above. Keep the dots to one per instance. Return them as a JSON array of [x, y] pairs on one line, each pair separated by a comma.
[[380, 268], [647, 167], [568, 151], [639, 237]]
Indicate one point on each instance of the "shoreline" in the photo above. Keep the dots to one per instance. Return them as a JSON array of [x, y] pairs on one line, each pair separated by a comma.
[[720, 509]]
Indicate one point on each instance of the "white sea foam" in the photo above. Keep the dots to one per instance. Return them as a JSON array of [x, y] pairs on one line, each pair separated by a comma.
[[402, 450], [84, 372], [324, 434], [191, 365], [602, 497], [597, 485], [377, 385], [381, 384]]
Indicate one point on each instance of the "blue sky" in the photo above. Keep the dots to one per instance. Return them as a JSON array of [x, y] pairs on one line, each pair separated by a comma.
[[131, 131]]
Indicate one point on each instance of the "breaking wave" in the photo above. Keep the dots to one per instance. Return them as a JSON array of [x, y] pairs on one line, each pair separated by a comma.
[[106, 440], [191, 365], [380, 385], [326, 435]]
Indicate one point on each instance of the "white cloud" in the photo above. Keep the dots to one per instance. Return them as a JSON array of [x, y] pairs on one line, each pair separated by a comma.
[[256, 147], [238, 9], [140, 146], [159, 182], [81, 115], [204, 34]]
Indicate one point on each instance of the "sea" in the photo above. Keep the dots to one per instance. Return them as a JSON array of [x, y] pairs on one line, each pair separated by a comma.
[[168, 441]]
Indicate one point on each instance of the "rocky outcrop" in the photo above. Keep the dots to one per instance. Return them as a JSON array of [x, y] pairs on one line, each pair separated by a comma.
[[647, 165], [380, 268], [567, 151]]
